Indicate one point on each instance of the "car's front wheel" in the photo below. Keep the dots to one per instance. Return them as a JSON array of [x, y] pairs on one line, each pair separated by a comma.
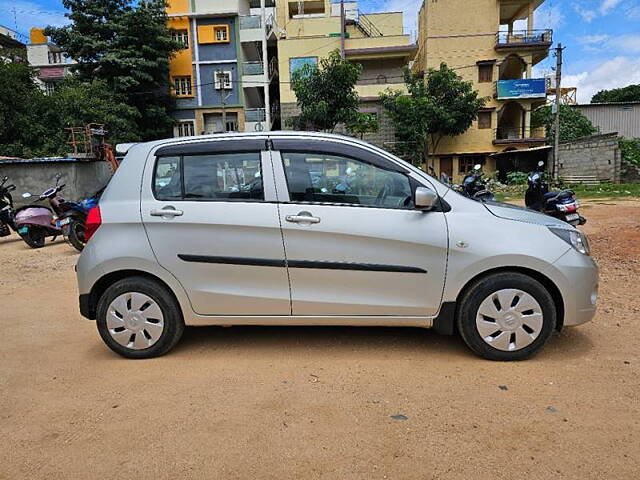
[[139, 318], [506, 316]]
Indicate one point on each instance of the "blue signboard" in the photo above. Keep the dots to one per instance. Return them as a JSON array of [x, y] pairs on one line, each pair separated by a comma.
[[522, 88]]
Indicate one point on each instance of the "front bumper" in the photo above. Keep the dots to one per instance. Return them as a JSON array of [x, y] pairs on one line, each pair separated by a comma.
[[576, 276]]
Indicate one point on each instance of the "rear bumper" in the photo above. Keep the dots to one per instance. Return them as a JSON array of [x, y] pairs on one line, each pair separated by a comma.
[[85, 307]]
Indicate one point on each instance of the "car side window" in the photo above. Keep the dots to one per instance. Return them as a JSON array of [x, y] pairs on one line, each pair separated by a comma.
[[219, 176], [318, 177], [167, 182]]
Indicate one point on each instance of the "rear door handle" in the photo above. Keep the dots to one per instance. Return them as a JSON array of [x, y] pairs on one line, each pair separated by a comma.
[[167, 212], [302, 217]]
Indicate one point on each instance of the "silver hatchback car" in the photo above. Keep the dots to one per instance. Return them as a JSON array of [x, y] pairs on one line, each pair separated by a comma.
[[291, 228]]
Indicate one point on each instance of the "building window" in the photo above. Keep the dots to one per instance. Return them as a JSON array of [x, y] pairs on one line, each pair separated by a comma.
[[221, 33], [49, 87], [485, 73], [466, 163], [181, 36], [223, 80], [185, 128], [232, 126], [213, 34], [484, 120], [182, 86], [297, 63], [55, 57]]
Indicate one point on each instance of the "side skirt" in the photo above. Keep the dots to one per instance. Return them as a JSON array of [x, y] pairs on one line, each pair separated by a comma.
[[312, 320]]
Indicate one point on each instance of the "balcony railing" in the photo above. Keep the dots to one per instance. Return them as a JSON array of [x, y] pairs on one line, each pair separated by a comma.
[[524, 38], [518, 134], [253, 68], [267, 3], [248, 22], [255, 115]]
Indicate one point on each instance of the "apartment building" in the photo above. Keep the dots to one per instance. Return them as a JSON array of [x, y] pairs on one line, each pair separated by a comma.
[[311, 29], [10, 39], [48, 59], [494, 44], [225, 77]]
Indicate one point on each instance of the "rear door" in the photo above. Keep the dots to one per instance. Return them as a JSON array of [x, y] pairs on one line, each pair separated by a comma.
[[211, 218], [354, 243]]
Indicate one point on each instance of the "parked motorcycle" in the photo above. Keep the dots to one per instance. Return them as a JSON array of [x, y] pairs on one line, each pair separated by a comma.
[[6, 208], [473, 186], [562, 205]]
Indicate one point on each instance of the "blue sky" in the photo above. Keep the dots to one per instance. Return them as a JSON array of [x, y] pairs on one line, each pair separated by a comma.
[[602, 37]]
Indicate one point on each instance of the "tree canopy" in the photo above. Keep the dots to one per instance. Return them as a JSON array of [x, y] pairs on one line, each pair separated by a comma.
[[33, 124], [326, 94], [438, 105], [630, 93], [573, 124], [128, 46]]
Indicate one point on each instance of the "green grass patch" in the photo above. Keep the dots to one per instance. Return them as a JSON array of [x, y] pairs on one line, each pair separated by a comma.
[[605, 190]]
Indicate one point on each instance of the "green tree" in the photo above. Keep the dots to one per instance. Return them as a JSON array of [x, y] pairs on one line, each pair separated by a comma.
[[128, 45], [440, 104], [630, 93], [21, 109], [363, 123], [630, 155], [573, 124], [326, 94]]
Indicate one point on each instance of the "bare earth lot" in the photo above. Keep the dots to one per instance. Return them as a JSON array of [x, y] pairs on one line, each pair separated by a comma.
[[257, 402]]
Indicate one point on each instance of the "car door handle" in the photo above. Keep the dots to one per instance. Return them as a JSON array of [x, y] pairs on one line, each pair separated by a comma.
[[167, 212], [302, 217]]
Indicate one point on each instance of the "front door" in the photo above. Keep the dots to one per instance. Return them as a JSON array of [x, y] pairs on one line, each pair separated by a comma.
[[212, 221], [353, 241]]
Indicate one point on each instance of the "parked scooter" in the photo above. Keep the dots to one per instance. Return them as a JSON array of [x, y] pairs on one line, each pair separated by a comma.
[[562, 205], [72, 219], [6, 208], [473, 186]]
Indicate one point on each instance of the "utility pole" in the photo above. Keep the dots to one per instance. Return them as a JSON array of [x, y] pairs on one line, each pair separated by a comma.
[[556, 127], [342, 29]]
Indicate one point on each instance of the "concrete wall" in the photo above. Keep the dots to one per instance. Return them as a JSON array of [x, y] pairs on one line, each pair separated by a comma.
[[597, 155], [81, 178]]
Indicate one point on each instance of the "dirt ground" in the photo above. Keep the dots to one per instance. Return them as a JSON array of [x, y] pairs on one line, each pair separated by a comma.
[[307, 402]]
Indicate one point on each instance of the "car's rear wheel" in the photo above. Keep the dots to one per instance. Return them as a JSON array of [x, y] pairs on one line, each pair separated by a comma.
[[506, 316], [139, 318]]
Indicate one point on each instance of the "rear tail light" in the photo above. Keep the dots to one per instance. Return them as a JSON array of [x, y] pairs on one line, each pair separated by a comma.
[[94, 220]]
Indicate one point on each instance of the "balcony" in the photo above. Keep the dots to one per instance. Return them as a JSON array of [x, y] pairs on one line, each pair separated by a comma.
[[248, 22], [253, 68], [524, 39], [255, 115], [508, 135], [519, 89]]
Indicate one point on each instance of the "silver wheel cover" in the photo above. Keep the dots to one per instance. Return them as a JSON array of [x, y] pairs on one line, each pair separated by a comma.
[[135, 320], [509, 319]]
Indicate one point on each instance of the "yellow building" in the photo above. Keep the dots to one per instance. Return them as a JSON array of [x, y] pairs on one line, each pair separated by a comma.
[[494, 44], [310, 30]]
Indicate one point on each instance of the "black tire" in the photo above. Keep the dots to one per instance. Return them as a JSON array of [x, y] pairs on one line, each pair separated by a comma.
[[483, 288], [35, 237], [76, 234], [173, 320]]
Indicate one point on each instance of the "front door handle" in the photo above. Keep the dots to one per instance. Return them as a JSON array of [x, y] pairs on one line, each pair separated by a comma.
[[302, 217], [167, 212]]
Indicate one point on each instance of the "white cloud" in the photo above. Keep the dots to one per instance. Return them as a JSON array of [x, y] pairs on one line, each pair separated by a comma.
[[549, 16], [409, 10], [633, 13], [586, 14], [629, 43], [615, 73], [29, 14], [608, 5], [596, 39]]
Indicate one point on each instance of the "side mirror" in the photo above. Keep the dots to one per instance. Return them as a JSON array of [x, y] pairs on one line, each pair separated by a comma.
[[541, 163], [26, 195], [425, 198], [477, 167]]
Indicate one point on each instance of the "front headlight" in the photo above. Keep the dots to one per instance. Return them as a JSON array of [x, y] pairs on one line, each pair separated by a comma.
[[575, 238]]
